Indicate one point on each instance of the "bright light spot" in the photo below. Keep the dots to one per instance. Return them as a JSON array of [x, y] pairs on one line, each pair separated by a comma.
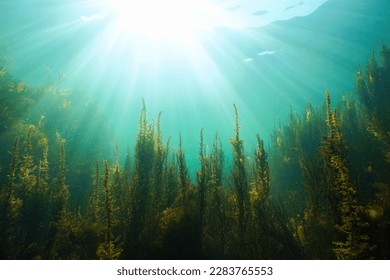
[[168, 18], [93, 17], [179, 18], [266, 53]]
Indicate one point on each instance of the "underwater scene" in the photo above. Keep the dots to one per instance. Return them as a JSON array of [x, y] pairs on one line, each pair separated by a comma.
[[195, 129]]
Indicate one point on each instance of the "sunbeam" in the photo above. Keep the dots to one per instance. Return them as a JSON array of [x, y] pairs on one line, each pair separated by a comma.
[[180, 129]]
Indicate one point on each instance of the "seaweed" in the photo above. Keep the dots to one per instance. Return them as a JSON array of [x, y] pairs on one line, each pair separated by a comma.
[[107, 250], [240, 183], [202, 176], [319, 191], [351, 242]]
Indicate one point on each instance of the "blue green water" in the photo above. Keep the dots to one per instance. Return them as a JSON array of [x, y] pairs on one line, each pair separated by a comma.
[[265, 70], [78, 71]]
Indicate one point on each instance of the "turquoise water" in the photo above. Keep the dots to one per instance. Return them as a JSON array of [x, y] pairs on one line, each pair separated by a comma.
[[79, 71], [267, 70]]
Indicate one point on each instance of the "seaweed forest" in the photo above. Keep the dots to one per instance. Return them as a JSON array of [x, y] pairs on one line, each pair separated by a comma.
[[319, 190]]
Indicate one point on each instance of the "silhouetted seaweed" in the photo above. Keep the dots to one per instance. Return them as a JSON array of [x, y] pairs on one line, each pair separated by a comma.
[[307, 196]]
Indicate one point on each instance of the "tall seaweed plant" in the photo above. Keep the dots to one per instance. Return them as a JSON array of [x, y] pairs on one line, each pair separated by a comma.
[[107, 250], [141, 189], [351, 241], [240, 183]]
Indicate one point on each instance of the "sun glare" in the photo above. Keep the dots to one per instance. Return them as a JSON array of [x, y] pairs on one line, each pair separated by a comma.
[[168, 18]]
